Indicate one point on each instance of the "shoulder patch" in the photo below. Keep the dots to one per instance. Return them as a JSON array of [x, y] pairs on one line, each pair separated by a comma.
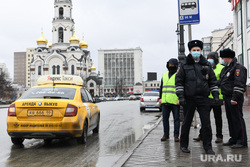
[[237, 72]]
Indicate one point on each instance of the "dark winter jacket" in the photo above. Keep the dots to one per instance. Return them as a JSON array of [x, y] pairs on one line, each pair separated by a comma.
[[195, 80], [233, 80]]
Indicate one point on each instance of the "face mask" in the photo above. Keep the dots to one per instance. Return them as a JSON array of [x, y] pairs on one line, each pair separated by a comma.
[[211, 61], [224, 63], [196, 54], [172, 69]]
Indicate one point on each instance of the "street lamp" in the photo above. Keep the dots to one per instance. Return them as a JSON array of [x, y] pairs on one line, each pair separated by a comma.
[[181, 44]]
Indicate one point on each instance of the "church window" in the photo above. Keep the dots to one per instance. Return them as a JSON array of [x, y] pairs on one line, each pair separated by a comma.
[[91, 85], [39, 50], [39, 70], [60, 13], [58, 69], [72, 70], [60, 35], [53, 70], [72, 49]]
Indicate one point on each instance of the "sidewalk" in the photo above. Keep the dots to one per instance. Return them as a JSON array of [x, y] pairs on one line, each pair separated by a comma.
[[149, 151]]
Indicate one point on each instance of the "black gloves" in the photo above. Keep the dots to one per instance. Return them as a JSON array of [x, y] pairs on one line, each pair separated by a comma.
[[182, 101]]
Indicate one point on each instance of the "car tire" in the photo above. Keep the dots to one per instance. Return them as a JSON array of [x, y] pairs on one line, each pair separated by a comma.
[[142, 109], [83, 138], [47, 141], [17, 141], [96, 130]]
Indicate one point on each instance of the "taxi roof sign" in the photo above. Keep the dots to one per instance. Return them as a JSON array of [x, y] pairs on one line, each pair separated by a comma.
[[60, 79]]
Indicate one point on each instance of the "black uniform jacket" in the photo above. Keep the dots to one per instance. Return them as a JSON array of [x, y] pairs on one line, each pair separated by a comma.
[[233, 80], [195, 79]]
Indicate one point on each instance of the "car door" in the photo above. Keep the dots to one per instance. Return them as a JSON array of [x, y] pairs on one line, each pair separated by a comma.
[[94, 110]]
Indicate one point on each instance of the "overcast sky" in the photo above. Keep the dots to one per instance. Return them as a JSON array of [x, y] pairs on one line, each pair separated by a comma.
[[109, 24]]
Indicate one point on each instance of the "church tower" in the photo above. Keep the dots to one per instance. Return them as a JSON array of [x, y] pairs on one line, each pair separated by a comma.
[[63, 24]]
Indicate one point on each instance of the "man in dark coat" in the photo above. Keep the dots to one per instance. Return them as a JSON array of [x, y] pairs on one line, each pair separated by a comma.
[[232, 84], [194, 81]]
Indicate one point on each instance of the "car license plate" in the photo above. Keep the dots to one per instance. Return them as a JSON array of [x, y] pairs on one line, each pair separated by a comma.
[[150, 106], [46, 113]]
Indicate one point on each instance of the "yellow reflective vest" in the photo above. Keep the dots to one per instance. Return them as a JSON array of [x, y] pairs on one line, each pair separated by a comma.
[[217, 72], [168, 89]]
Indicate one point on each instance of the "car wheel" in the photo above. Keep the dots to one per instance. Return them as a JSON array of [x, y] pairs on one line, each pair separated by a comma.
[[83, 138], [96, 130], [47, 141], [17, 141], [142, 109]]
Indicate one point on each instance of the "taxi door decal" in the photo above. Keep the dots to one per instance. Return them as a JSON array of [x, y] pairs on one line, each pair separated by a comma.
[[88, 110]]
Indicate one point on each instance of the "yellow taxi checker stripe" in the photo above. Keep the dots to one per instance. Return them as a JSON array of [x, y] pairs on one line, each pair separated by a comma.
[[88, 110]]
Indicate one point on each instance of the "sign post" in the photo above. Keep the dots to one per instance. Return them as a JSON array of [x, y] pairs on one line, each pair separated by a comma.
[[189, 13]]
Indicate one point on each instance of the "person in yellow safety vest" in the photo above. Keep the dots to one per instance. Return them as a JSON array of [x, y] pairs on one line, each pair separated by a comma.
[[169, 100], [213, 59]]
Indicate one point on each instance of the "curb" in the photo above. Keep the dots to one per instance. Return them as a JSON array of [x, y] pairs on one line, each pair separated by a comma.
[[123, 159], [4, 106]]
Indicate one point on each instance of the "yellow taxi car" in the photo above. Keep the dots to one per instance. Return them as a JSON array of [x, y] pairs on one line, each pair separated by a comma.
[[58, 107]]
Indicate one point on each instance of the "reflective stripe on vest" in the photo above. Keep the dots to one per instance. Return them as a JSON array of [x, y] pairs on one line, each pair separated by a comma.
[[168, 89], [217, 72]]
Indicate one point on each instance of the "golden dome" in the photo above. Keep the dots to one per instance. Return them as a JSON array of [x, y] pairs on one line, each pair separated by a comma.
[[50, 45], [83, 44], [42, 40], [93, 68], [74, 39]]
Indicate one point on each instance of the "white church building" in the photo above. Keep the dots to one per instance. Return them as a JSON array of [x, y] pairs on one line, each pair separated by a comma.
[[66, 54]]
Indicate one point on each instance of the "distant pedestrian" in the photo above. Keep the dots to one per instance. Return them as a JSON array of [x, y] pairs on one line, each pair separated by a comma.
[[213, 59], [233, 84], [194, 81], [169, 99]]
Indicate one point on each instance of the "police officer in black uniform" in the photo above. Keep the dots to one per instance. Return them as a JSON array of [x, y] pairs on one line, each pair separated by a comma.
[[232, 84], [194, 81]]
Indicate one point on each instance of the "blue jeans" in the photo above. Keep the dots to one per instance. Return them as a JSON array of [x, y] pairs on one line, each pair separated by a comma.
[[166, 109]]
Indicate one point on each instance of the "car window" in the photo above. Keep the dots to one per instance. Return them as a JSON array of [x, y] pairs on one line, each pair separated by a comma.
[[151, 94], [50, 93], [84, 96], [89, 96]]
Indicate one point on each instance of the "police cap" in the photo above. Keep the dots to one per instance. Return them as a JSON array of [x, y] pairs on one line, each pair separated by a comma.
[[195, 43]]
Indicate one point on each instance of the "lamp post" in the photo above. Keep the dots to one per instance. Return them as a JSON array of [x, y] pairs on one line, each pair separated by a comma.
[[181, 44], [181, 52]]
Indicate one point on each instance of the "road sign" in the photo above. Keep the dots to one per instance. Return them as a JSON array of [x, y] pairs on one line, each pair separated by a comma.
[[189, 11]]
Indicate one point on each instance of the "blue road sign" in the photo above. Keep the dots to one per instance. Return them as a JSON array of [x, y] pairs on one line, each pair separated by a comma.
[[189, 11]]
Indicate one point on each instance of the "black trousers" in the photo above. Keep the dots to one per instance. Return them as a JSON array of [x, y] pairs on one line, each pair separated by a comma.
[[203, 107], [218, 121], [236, 122]]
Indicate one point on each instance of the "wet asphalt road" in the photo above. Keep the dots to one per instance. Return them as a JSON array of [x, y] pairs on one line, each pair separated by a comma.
[[122, 124]]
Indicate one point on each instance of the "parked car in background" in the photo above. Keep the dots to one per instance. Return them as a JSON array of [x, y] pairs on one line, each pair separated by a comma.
[[150, 100], [132, 97], [118, 98], [138, 97], [103, 98]]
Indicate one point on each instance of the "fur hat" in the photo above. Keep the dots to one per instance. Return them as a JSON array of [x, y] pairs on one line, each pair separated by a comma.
[[227, 53], [195, 43]]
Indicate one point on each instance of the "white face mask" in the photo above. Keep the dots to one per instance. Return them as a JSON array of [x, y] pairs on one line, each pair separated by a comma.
[[211, 61]]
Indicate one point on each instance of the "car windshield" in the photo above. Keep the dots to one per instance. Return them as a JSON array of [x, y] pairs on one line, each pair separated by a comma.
[[151, 94], [50, 93]]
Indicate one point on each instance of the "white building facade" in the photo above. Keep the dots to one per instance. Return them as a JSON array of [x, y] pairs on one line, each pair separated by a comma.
[[220, 39], [121, 69], [241, 18], [66, 54]]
